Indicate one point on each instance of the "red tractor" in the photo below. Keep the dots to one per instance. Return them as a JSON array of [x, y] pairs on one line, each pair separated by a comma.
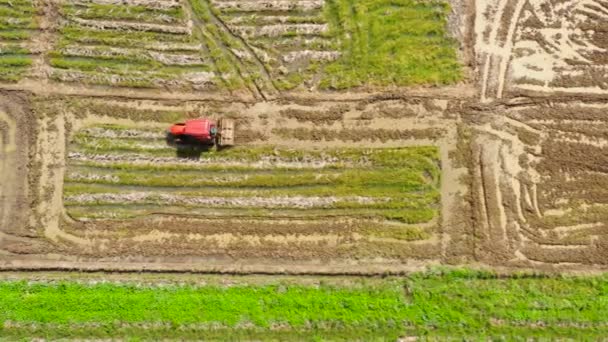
[[202, 132]]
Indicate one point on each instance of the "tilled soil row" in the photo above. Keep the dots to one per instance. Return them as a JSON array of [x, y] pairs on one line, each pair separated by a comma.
[[138, 54], [263, 162], [197, 80], [269, 5], [98, 132], [161, 4], [301, 202]]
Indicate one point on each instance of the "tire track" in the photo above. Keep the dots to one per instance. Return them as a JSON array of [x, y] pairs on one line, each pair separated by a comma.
[[237, 63], [267, 79]]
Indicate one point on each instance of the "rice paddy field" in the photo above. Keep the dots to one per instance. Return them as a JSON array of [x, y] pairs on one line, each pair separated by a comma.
[[256, 48], [128, 45], [133, 172], [125, 183], [18, 26]]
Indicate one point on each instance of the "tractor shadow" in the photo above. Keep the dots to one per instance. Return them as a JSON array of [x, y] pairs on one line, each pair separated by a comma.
[[186, 149], [192, 150]]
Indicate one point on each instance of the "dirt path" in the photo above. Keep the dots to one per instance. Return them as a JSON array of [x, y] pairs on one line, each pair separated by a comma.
[[50, 152], [8, 169], [16, 127]]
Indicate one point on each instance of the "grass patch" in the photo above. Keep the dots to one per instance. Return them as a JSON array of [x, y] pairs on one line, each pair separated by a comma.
[[74, 33], [17, 11], [456, 304], [13, 49], [16, 3], [132, 55], [121, 66], [17, 22], [15, 34], [12, 74], [15, 60], [14, 66], [122, 71], [396, 42], [210, 35]]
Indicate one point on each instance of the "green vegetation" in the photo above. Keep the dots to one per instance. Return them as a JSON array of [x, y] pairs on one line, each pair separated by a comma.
[[376, 43], [396, 184], [13, 49], [272, 45], [145, 58], [17, 23], [231, 56], [14, 66], [15, 35], [112, 38], [381, 157], [121, 65], [136, 68], [396, 42], [458, 304]]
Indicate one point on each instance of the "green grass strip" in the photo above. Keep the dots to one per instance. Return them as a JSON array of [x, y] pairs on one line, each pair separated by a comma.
[[12, 74], [13, 49], [436, 305], [21, 12], [15, 34], [7, 23], [404, 179], [15, 60], [17, 3], [120, 65], [79, 34]]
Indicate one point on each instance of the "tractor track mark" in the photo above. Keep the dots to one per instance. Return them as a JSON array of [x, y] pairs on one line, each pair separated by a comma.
[[266, 73], [235, 60]]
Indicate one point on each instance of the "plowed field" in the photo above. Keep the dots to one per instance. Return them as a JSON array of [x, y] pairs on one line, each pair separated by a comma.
[[372, 136]]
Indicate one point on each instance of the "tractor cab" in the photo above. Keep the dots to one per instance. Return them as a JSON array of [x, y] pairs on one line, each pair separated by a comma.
[[203, 132]]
